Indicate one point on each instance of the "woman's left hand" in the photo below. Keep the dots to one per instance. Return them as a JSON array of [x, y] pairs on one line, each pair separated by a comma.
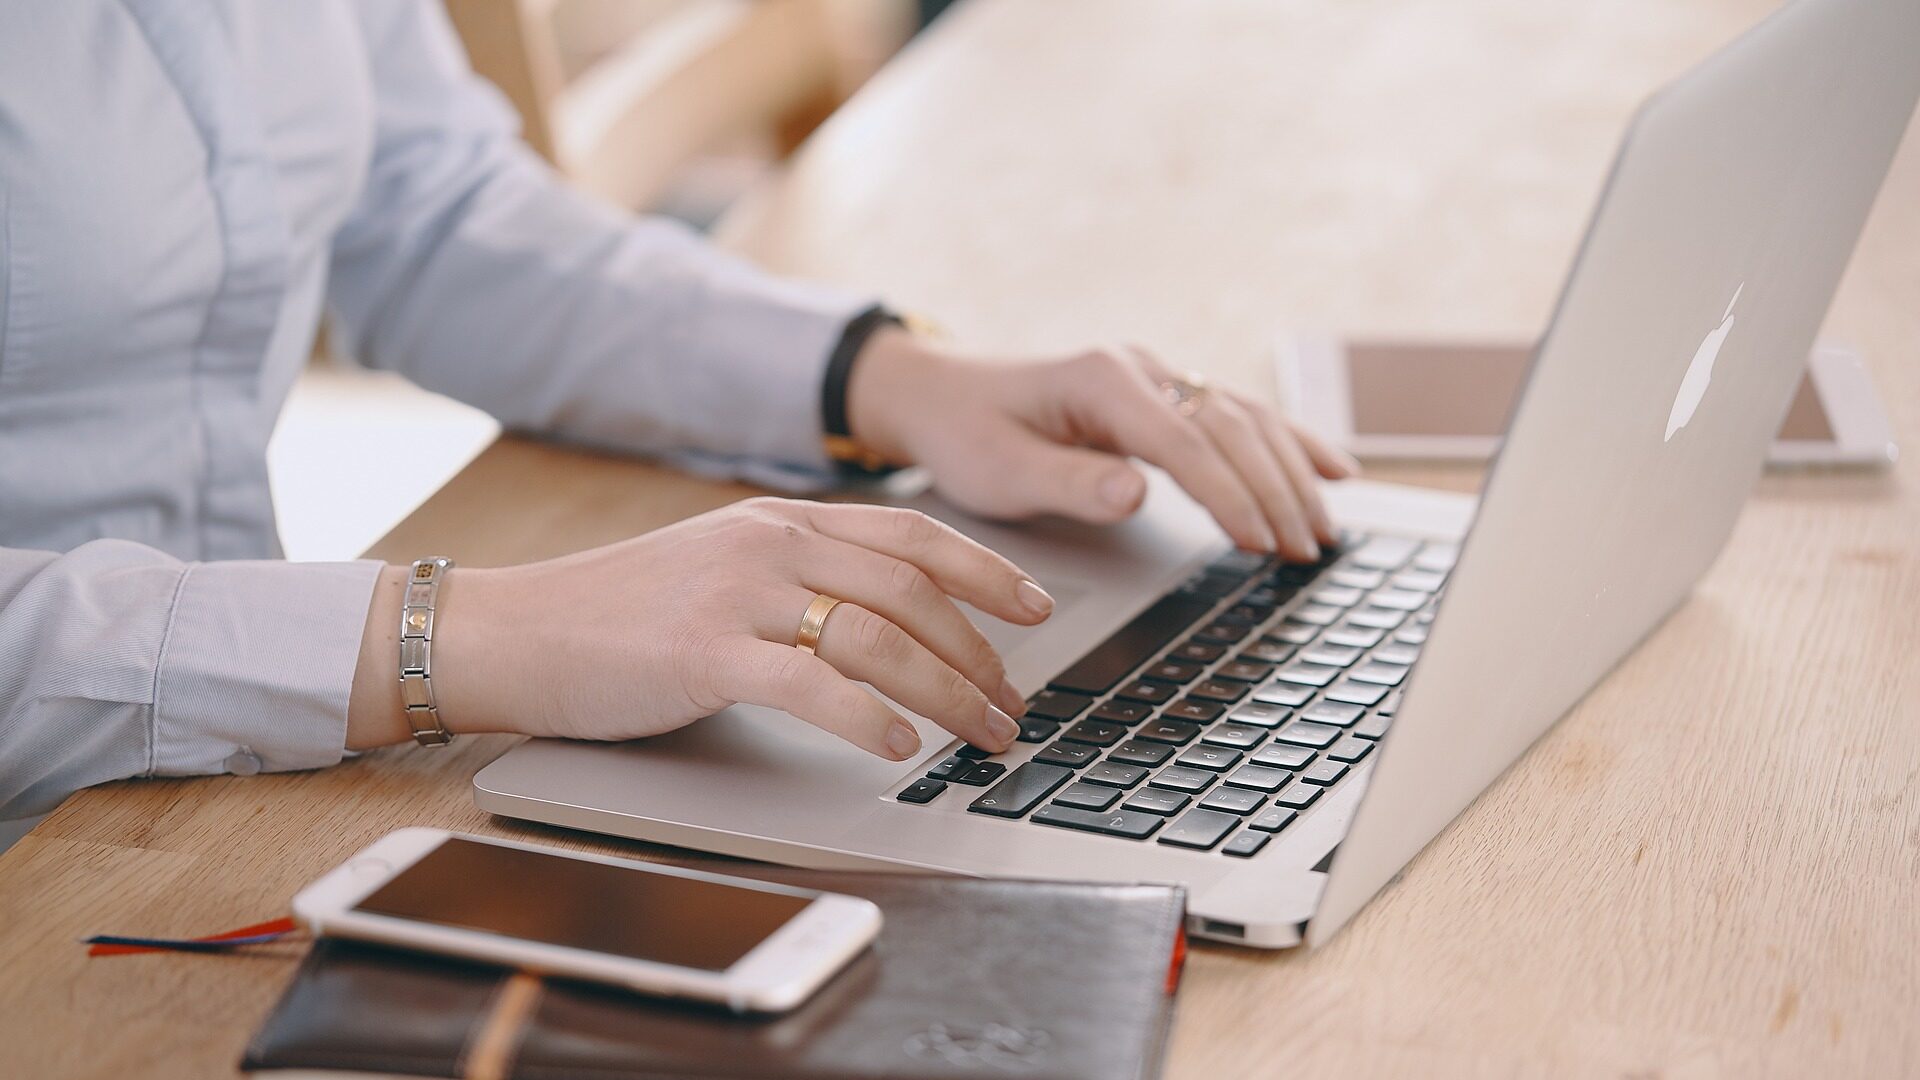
[[1017, 439]]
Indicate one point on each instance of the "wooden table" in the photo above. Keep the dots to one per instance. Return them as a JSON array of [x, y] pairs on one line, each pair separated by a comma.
[[1709, 868]]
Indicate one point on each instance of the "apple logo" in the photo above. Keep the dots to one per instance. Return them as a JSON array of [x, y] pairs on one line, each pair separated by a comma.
[[1693, 385]]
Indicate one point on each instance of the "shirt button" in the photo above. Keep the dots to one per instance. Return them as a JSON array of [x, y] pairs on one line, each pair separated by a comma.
[[242, 762]]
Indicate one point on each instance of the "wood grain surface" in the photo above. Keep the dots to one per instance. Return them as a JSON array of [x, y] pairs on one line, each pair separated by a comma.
[[1709, 868]]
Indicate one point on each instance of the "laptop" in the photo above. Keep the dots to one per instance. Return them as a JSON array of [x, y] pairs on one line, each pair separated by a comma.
[[1282, 739]]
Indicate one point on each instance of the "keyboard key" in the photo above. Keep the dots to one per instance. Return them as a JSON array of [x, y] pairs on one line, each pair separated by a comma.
[[1265, 599], [1153, 800], [1398, 599], [973, 753], [1383, 553], [981, 774], [1244, 613], [1292, 633], [1377, 618], [1177, 732], [1423, 581], [1437, 557], [1394, 652], [1315, 614], [1021, 791], [1283, 693], [1324, 772], [1357, 693], [1373, 727], [1153, 693], [1351, 636], [1266, 652], [1329, 655], [1247, 844], [1337, 713], [1122, 712], [923, 790], [1181, 778], [1173, 671], [1235, 736], [1130, 646], [1308, 674], [1199, 652], [1141, 752], [1239, 565], [1219, 690], [1057, 705], [1273, 819], [1033, 729], [1389, 705], [1115, 774], [1071, 755], [1336, 596], [1200, 829], [1244, 670], [1260, 714], [1381, 674], [948, 769], [1355, 577], [1223, 633], [1282, 756], [1260, 779], [1095, 733], [1083, 796], [1127, 823], [1298, 796], [1351, 748], [1194, 711], [1411, 634], [1217, 758], [1306, 733], [1233, 800]]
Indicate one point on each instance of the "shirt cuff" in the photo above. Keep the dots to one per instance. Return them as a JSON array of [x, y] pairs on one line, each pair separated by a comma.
[[257, 666]]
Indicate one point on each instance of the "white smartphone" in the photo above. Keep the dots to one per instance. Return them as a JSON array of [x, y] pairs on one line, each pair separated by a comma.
[[1449, 401], [748, 945]]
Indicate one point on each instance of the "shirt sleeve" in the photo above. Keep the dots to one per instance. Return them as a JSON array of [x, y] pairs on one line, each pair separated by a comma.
[[471, 268], [117, 660]]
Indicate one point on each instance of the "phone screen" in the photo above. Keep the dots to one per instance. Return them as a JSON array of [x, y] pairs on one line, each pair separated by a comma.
[[584, 905], [1446, 390]]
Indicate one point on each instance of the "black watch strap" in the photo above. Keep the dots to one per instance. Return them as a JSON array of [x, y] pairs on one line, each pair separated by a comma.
[[833, 386]]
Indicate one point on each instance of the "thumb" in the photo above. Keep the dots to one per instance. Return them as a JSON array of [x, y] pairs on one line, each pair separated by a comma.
[[1088, 485]]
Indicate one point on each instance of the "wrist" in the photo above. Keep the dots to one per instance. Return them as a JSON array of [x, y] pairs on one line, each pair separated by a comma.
[[890, 378], [376, 714]]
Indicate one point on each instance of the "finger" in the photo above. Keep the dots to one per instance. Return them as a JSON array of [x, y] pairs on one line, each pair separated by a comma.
[[1329, 460], [908, 597], [959, 566], [1082, 483], [1245, 446], [1130, 407], [865, 646], [782, 677], [1305, 481]]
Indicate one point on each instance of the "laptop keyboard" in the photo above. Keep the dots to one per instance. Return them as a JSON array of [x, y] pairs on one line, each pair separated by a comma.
[[1222, 712]]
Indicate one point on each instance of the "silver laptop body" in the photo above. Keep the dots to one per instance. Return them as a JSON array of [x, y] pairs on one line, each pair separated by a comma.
[[1733, 206]]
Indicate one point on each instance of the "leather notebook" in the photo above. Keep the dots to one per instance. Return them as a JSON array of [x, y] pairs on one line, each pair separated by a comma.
[[968, 978]]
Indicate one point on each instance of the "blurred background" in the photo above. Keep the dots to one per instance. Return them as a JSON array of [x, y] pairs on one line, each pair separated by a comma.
[[676, 107]]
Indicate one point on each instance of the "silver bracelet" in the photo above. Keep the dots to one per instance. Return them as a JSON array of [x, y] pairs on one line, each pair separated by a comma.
[[416, 651]]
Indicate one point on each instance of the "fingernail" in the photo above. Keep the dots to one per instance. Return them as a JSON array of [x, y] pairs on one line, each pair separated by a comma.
[[1263, 536], [1010, 699], [1350, 464], [903, 742], [1001, 724], [1034, 598], [1121, 489]]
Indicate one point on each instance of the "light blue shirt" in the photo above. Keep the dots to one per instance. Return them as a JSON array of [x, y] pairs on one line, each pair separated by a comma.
[[185, 187]]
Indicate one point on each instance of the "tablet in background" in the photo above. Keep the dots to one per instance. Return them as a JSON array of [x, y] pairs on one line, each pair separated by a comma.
[[1449, 401]]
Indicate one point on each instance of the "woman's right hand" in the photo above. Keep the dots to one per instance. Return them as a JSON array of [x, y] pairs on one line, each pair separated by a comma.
[[650, 634]]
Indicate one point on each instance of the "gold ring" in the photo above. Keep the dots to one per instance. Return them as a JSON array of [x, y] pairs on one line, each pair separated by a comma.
[[814, 621], [1187, 393]]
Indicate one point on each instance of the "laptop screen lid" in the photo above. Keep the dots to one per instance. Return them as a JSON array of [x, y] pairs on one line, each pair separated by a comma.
[[1734, 203]]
